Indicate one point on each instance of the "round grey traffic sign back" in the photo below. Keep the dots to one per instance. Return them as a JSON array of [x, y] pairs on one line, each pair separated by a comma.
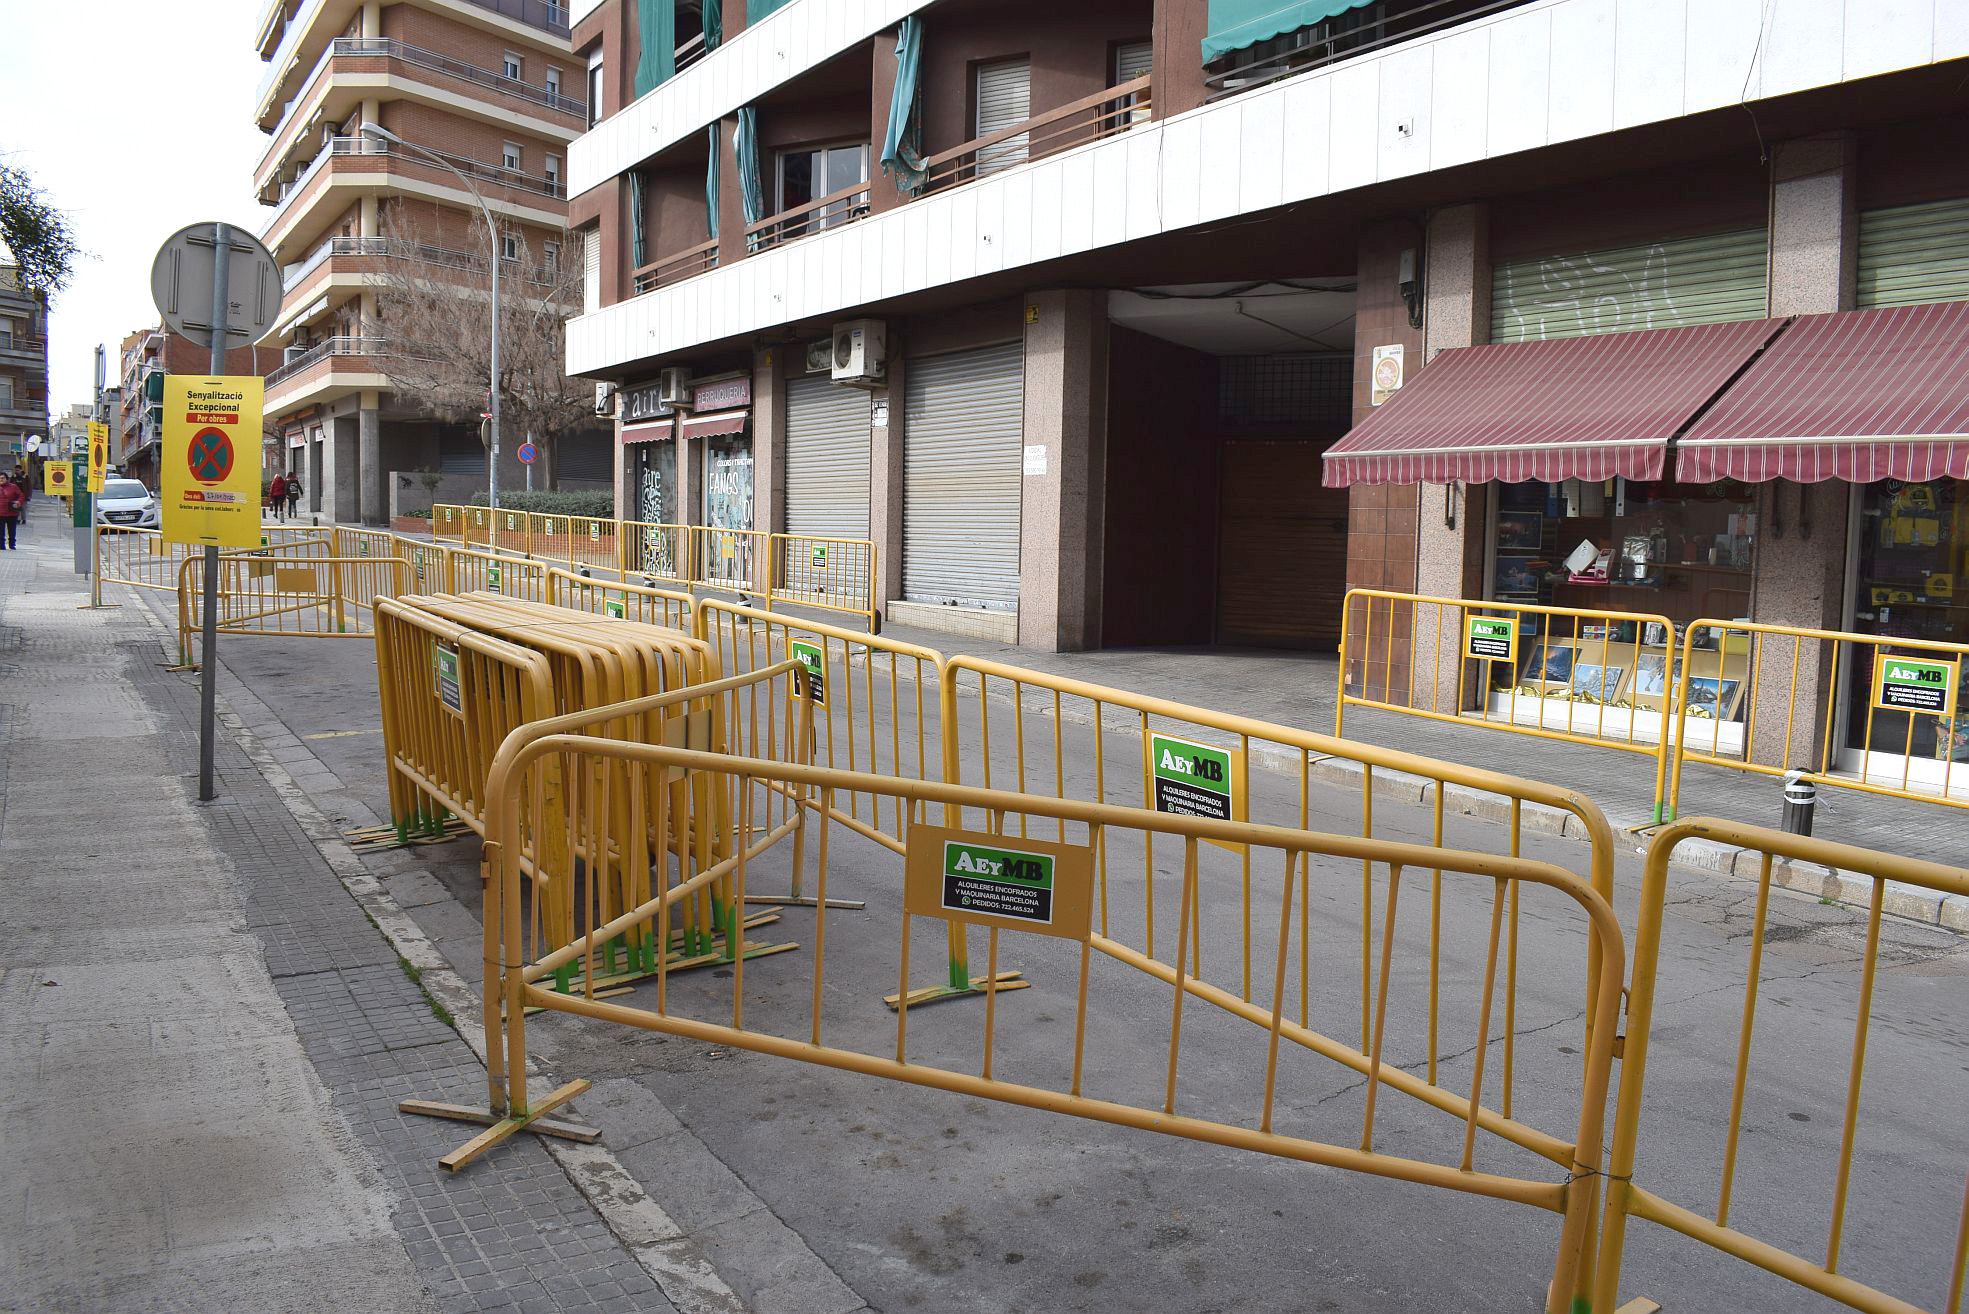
[[181, 285]]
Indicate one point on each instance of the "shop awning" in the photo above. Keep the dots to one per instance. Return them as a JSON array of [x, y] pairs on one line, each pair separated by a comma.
[[650, 432], [1857, 395], [715, 424], [1566, 408]]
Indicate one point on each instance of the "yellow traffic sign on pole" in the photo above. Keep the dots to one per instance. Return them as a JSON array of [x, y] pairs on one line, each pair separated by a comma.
[[98, 455], [55, 478], [211, 459]]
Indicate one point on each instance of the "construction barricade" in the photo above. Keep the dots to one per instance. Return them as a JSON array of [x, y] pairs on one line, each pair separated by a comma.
[[828, 574], [1601, 678], [578, 542], [621, 601], [658, 553], [1635, 1176], [1864, 712], [448, 524], [1006, 727], [145, 559], [469, 570], [732, 559], [287, 594], [1007, 863]]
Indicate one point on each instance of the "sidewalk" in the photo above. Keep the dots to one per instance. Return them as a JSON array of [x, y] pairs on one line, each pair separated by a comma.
[[205, 1036]]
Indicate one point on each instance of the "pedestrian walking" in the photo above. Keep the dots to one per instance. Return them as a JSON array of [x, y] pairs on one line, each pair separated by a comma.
[[12, 499], [293, 496], [277, 496]]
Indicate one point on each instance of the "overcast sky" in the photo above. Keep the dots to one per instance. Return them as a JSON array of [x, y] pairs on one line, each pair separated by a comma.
[[135, 116]]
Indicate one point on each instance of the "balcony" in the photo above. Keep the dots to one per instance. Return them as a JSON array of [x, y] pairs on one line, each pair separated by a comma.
[[458, 68], [23, 345], [1116, 109], [374, 249], [676, 268], [1360, 31]]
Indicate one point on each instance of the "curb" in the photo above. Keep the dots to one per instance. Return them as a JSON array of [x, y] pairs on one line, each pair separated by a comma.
[[672, 1259]]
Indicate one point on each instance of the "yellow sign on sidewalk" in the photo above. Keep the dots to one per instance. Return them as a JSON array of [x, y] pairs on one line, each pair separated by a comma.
[[98, 455], [211, 459], [55, 478]]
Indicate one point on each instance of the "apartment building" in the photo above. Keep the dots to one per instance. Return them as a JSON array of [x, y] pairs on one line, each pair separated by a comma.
[[489, 88], [23, 367], [137, 417], [1125, 322]]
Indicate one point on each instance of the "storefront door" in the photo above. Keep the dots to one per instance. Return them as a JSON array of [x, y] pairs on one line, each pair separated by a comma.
[[1911, 555], [656, 504], [728, 505]]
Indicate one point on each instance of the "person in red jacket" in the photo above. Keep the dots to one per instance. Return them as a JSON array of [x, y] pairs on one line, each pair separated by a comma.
[[277, 494], [12, 499]]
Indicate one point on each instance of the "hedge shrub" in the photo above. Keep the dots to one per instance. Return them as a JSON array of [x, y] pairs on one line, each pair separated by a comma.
[[555, 502]]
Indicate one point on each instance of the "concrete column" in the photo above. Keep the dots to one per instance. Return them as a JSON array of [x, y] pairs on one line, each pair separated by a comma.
[[368, 224], [372, 18], [1450, 518], [1801, 528], [339, 482], [885, 485], [690, 481], [882, 192], [769, 441], [1814, 229], [1177, 63], [1063, 494], [731, 197], [372, 482]]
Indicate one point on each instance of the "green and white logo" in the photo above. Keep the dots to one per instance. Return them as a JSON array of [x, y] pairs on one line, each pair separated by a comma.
[[1490, 638], [613, 606], [1906, 684], [492, 574], [444, 675], [594, 532], [809, 655], [998, 882], [820, 556], [1191, 779]]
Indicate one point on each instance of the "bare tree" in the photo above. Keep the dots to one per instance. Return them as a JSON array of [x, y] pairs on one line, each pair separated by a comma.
[[434, 307]]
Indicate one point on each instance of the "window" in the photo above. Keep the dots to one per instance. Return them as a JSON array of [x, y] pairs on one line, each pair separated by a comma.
[[550, 258], [509, 246], [515, 66], [553, 81], [509, 155], [552, 167], [810, 173], [1004, 100], [594, 91], [591, 270], [1132, 60], [6, 392]]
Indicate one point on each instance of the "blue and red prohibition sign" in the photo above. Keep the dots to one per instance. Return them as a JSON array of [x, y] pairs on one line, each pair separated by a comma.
[[210, 456]]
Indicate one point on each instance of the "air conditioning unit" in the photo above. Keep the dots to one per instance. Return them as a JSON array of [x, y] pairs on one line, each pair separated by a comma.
[[674, 386], [860, 351], [820, 356], [291, 354], [605, 399]]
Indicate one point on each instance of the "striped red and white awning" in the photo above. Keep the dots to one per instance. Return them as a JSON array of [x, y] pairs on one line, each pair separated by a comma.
[[650, 432], [1567, 408], [1856, 395], [715, 424]]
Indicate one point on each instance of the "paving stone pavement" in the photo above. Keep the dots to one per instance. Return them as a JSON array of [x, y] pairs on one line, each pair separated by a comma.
[[513, 1233]]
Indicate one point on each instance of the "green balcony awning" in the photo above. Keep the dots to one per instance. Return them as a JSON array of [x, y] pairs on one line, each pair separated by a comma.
[[758, 9], [1235, 24], [656, 64]]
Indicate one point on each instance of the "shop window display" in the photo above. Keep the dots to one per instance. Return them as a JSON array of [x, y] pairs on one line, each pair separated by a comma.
[[1913, 558], [1678, 551]]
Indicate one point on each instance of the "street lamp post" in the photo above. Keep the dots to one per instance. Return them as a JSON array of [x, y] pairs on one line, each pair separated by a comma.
[[380, 133]]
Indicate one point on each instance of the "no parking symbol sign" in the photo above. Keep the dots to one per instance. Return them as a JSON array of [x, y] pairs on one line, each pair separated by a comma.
[[210, 459]]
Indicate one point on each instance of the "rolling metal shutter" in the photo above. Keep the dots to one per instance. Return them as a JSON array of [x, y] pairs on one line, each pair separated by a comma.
[[1004, 100], [585, 456], [963, 426], [1914, 254], [1690, 280], [591, 271], [1282, 547], [827, 436]]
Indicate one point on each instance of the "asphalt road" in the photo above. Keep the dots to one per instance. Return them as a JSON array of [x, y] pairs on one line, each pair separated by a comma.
[[925, 1200]]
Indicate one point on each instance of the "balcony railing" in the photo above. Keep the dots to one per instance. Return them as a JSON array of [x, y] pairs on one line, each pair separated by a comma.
[[458, 68], [327, 347], [1343, 36], [548, 15], [1088, 119], [497, 174], [832, 210], [676, 268], [21, 342], [443, 257]]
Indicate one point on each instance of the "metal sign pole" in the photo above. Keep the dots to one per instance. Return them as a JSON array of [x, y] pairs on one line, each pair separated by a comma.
[[208, 678]]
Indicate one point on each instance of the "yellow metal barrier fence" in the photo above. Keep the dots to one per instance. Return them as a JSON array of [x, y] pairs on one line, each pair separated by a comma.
[[287, 596], [1866, 712], [1626, 1198], [829, 574], [145, 559], [1009, 727], [1601, 678], [1000, 879], [733, 559], [448, 523], [659, 553], [473, 571], [637, 602]]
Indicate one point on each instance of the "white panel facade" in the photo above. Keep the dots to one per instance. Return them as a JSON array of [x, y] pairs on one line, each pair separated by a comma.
[[1532, 77]]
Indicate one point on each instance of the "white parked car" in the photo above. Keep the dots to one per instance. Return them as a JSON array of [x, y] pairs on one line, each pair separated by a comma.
[[127, 503]]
